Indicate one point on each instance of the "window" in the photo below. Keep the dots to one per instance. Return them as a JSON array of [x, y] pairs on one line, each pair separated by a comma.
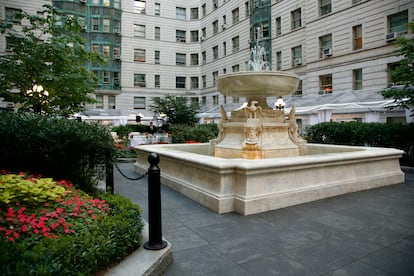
[[180, 35], [180, 13], [106, 25], [325, 7], [296, 19], [203, 32], [117, 53], [215, 27], [215, 100], [139, 30], [95, 48], [203, 54], [297, 56], [99, 101], [95, 24], [106, 50], [194, 13], [215, 77], [236, 100], [224, 22], [279, 60], [106, 3], [157, 57], [194, 36], [215, 4], [265, 30], [203, 9], [204, 78], [325, 46], [357, 36], [235, 42], [224, 71], [235, 15], [357, 79], [355, 1], [247, 9], [117, 4], [116, 78], [111, 102], [278, 26], [139, 80], [398, 22], [224, 48], [11, 13], [194, 59], [325, 84], [180, 59], [194, 82], [215, 52], [139, 102], [117, 27], [204, 100], [139, 55], [195, 102], [106, 77], [157, 81], [298, 92], [139, 6], [235, 68], [157, 34], [179, 82], [157, 9]]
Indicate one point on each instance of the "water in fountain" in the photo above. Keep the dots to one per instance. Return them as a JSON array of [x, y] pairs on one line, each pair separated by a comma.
[[257, 60]]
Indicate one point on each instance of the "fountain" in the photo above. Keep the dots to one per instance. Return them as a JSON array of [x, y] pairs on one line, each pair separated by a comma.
[[259, 162]]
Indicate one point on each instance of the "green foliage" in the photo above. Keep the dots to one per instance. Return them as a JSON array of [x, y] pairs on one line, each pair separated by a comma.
[[176, 109], [369, 134], [123, 130], [199, 133], [30, 191], [49, 51], [100, 232], [403, 73], [54, 147]]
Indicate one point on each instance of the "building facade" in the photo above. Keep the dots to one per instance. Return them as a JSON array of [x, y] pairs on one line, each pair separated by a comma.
[[340, 49]]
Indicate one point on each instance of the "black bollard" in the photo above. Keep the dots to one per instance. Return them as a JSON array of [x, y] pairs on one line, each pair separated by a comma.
[[154, 205], [110, 178]]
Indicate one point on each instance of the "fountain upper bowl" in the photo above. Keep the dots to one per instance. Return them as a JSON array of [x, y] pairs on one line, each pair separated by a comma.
[[258, 83]]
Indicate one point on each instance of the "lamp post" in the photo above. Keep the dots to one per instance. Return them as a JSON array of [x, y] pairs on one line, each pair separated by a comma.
[[39, 95], [279, 104]]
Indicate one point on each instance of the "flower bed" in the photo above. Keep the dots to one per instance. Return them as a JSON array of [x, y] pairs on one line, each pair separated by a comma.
[[49, 227]]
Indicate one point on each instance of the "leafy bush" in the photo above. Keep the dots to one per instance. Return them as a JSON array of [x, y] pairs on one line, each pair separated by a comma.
[[74, 235], [369, 134], [199, 133], [54, 147]]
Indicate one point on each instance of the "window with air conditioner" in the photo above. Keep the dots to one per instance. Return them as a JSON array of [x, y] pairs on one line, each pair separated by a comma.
[[397, 25], [297, 55], [139, 6], [325, 84], [325, 46], [139, 55], [235, 42]]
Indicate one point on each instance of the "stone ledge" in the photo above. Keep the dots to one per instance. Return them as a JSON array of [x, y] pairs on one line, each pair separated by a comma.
[[144, 262]]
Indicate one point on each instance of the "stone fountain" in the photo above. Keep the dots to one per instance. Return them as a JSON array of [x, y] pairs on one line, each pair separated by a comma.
[[258, 161], [255, 130]]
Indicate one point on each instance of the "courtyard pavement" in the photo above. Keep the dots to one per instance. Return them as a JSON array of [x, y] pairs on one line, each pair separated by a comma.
[[363, 233]]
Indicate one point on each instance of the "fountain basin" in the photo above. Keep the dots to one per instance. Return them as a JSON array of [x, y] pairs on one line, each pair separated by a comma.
[[253, 186], [258, 84]]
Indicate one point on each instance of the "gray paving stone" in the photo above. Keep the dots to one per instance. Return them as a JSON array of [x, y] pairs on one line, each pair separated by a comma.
[[358, 269]]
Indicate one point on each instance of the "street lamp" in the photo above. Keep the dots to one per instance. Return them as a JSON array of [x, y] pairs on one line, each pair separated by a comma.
[[39, 95], [280, 104]]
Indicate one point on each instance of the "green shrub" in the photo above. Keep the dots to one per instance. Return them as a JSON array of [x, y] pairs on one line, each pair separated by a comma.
[[76, 235], [199, 133], [54, 147], [369, 134]]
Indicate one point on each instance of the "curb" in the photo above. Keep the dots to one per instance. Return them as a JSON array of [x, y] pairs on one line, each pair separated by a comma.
[[144, 262]]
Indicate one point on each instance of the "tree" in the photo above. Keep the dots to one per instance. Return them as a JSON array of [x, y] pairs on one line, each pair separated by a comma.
[[176, 110], [403, 74], [44, 69]]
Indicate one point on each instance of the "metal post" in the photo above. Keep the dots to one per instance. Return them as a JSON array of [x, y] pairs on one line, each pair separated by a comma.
[[154, 205], [110, 178]]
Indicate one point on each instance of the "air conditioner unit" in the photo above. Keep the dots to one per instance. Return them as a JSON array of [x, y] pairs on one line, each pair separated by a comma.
[[117, 57], [390, 37], [116, 82], [327, 52], [297, 61], [202, 38]]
